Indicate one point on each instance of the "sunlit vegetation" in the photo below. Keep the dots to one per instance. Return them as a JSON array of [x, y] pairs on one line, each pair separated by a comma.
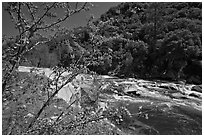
[[138, 40]]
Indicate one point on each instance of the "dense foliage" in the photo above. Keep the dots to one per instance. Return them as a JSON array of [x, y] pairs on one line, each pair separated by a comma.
[[141, 40], [146, 40], [152, 39]]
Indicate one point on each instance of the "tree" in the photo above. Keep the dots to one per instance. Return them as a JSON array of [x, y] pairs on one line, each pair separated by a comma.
[[29, 26], [30, 19]]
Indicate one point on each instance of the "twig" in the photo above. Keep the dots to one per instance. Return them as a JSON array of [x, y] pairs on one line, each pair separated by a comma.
[[76, 5], [31, 13], [58, 77], [49, 8], [49, 99], [64, 111], [35, 23], [63, 19]]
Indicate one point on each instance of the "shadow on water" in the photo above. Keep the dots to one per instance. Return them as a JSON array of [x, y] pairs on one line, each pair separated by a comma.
[[152, 119]]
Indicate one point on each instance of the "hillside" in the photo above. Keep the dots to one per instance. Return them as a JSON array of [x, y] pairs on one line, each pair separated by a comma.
[[146, 40], [159, 38], [136, 70]]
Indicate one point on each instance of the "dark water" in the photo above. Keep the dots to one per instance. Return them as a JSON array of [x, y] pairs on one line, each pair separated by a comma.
[[167, 112], [147, 118]]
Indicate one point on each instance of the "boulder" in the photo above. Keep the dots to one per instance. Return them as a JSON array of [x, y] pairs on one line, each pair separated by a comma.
[[197, 88]]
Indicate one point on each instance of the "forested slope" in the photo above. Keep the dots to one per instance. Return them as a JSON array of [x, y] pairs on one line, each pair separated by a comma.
[[145, 40], [153, 49]]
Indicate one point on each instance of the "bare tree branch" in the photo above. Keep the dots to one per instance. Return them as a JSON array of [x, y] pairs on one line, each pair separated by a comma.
[[76, 5], [63, 19], [48, 9], [58, 77], [64, 111], [10, 11], [30, 11], [30, 32], [35, 23], [19, 11], [74, 74]]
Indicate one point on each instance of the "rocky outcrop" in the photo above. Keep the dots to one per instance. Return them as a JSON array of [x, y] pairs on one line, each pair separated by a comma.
[[136, 106]]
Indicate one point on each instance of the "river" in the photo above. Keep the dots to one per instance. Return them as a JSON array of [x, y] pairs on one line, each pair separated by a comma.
[[144, 107]]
